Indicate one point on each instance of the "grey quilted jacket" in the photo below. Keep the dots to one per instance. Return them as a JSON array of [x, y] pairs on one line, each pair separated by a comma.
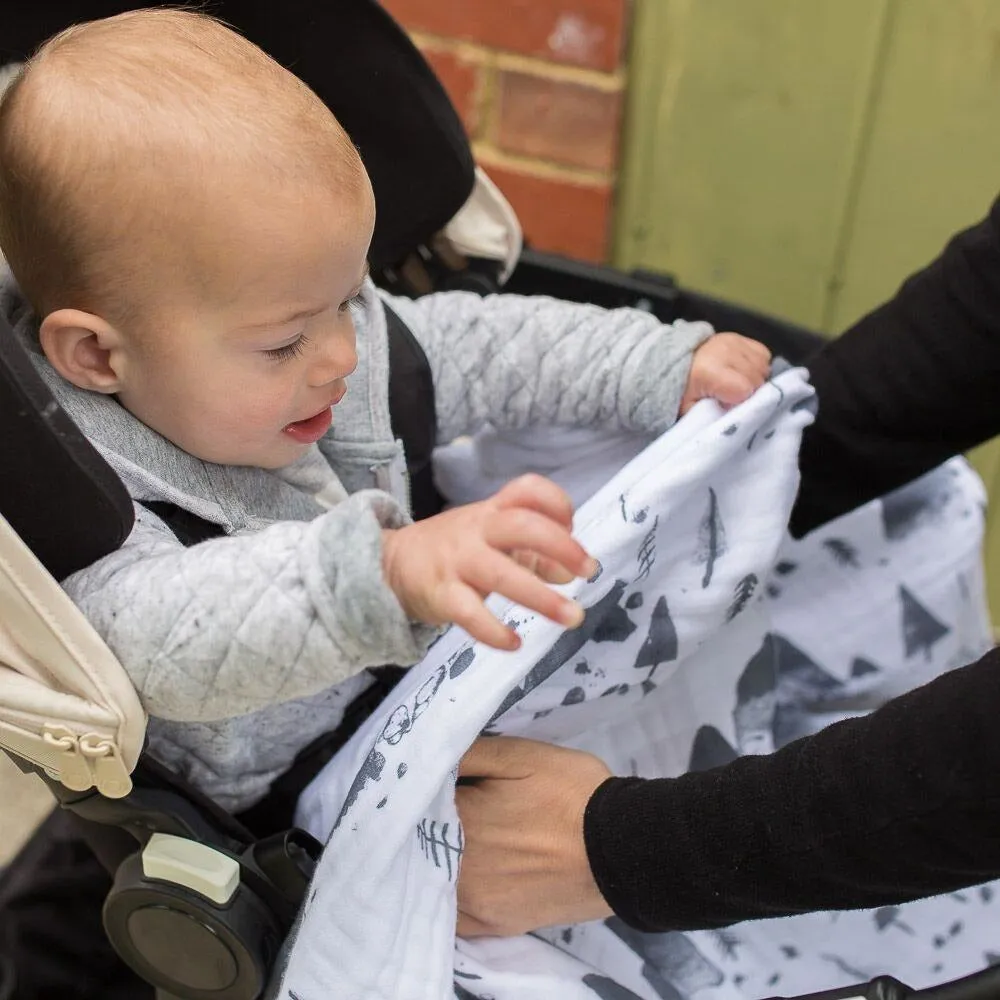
[[246, 648]]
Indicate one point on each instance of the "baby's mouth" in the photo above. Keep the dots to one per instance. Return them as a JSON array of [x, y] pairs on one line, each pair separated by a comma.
[[310, 430]]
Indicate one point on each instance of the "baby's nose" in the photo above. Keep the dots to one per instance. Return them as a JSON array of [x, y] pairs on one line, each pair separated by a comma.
[[335, 361]]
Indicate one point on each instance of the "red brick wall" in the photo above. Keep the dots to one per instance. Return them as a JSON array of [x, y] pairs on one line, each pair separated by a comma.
[[540, 86]]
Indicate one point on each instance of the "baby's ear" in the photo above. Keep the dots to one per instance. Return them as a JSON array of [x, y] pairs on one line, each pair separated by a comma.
[[83, 348]]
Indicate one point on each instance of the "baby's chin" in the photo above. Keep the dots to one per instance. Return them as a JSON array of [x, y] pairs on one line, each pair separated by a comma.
[[282, 453], [287, 454], [295, 452]]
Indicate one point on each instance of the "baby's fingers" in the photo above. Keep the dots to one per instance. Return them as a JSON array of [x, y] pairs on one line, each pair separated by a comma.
[[518, 529], [731, 386], [757, 366], [501, 575], [537, 493], [465, 608], [755, 349], [752, 359], [545, 569]]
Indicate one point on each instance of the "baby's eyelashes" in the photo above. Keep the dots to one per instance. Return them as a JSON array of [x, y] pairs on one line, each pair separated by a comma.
[[292, 350], [354, 300]]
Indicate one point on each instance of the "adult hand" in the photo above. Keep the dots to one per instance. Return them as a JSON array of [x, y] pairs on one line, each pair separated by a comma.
[[525, 863], [514, 543], [727, 367]]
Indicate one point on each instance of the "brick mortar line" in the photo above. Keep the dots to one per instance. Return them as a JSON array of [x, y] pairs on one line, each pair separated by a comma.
[[488, 154], [484, 55]]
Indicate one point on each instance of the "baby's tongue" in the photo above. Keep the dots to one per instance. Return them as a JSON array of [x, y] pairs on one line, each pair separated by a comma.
[[309, 431]]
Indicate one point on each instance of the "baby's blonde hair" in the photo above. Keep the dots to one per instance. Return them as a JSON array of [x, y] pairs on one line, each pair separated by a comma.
[[112, 122]]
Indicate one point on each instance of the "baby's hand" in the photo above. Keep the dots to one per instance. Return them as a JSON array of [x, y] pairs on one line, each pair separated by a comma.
[[727, 367], [442, 568]]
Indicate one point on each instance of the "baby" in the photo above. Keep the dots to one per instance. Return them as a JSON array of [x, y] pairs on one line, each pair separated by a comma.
[[188, 228]]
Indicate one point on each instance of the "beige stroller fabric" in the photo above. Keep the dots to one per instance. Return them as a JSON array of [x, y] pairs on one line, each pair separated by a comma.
[[66, 703], [487, 227]]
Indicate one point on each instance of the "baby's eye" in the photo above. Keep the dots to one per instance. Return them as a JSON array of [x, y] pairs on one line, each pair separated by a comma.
[[352, 301], [292, 350]]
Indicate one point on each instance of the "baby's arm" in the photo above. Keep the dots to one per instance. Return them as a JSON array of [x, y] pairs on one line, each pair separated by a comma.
[[235, 624], [517, 361]]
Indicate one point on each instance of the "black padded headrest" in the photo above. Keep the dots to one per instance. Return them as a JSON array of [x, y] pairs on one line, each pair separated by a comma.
[[361, 63], [57, 492]]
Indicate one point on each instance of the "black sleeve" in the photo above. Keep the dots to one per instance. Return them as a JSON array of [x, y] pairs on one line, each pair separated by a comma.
[[908, 386], [901, 804]]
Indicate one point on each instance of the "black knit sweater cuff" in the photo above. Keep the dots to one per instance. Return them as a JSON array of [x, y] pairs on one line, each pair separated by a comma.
[[610, 838], [664, 852]]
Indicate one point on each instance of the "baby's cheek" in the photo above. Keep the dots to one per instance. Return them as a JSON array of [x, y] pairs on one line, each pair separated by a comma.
[[249, 417]]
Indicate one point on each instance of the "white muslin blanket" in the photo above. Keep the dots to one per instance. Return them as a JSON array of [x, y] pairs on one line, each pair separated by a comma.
[[708, 634]]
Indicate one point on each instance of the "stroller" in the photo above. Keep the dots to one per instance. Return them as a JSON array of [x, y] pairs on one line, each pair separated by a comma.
[[202, 900]]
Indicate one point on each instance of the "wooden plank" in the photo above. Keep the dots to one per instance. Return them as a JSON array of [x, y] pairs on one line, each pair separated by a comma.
[[744, 121], [931, 165]]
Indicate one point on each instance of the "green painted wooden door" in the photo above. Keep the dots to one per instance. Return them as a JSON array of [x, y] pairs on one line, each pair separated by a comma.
[[804, 156]]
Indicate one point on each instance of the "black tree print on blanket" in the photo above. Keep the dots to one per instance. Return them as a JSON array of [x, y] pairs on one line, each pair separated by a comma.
[[915, 505], [660, 645], [461, 662], [370, 770], [920, 628], [646, 555], [755, 701], [888, 916], [607, 989], [771, 697], [742, 595], [397, 727], [711, 538], [672, 965], [604, 621], [443, 844], [710, 749], [860, 667], [843, 552], [801, 684]]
